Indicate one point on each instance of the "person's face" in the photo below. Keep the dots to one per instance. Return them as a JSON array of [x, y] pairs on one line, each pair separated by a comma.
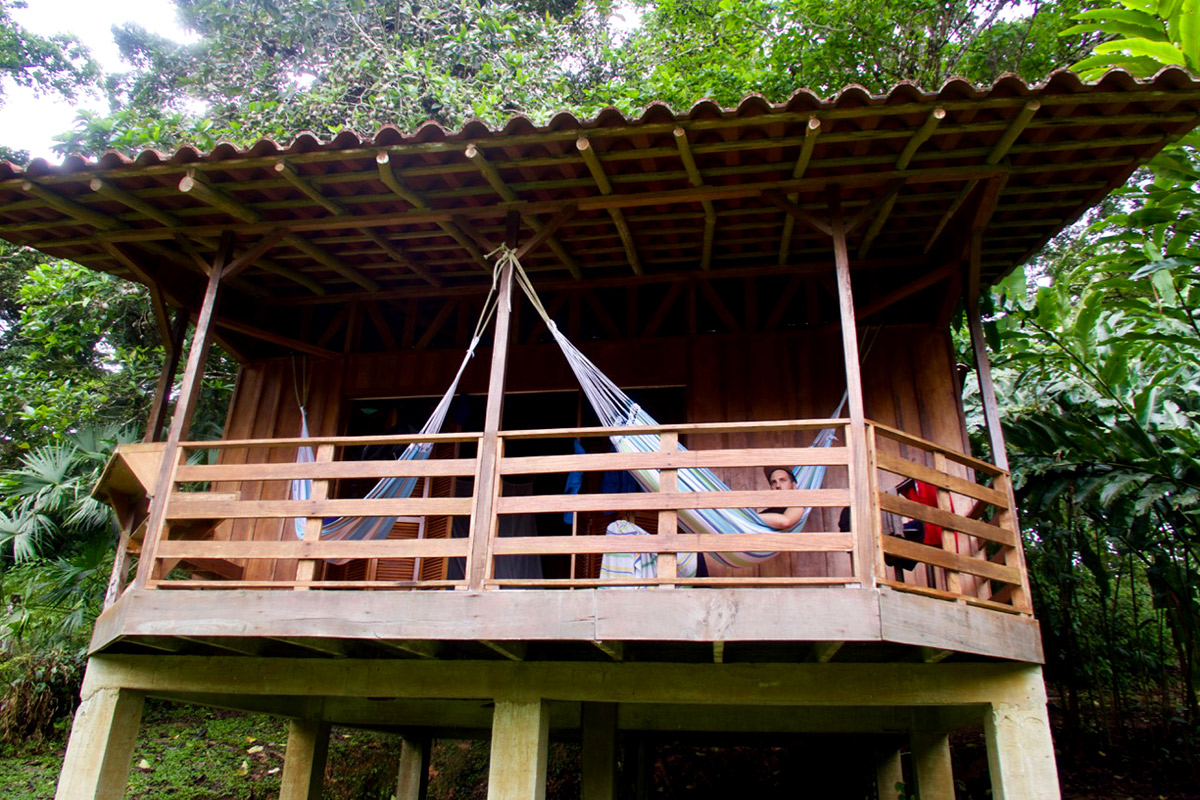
[[782, 479]]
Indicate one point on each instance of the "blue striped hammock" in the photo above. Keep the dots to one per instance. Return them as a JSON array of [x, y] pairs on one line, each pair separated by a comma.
[[615, 409]]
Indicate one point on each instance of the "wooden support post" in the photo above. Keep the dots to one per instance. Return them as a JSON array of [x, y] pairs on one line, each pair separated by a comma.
[[487, 480], [983, 367], [96, 766], [889, 775], [1020, 750], [304, 760], [931, 762], [173, 346], [599, 723], [185, 407], [412, 780], [520, 742], [862, 498]]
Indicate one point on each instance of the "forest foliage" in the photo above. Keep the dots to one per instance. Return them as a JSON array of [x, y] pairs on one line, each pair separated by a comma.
[[1096, 343]]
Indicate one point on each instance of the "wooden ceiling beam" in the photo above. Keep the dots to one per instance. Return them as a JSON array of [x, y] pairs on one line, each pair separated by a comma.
[[389, 178], [110, 191], [902, 161], [584, 146], [811, 131], [696, 179], [337, 209], [492, 176], [548, 230], [994, 156], [195, 184], [796, 212]]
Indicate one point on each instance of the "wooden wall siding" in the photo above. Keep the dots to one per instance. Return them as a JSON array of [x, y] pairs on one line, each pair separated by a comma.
[[264, 406], [909, 383]]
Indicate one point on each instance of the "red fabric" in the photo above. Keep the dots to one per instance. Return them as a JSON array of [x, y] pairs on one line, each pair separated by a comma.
[[926, 495]]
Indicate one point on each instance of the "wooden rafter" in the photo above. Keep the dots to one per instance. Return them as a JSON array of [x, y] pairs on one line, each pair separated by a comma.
[[389, 178], [194, 183], [584, 146], [337, 209], [492, 176], [381, 325], [696, 179], [997, 152], [902, 161], [255, 332], [795, 212], [811, 131]]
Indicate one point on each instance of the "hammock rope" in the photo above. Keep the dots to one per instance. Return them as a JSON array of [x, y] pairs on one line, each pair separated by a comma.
[[367, 528], [616, 409]]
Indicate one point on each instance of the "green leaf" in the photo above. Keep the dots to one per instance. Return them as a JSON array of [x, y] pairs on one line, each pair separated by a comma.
[[1189, 32], [1162, 52]]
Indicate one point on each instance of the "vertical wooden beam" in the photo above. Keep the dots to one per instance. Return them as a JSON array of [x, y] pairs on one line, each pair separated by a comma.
[[889, 774], [185, 408], [931, 762], [983, 366], [599, 723], [306, 569], [1020, 750], [668, 521], [862, 498], [412, 780], [173, 348], [520, 740], [96, 766], [487, 480], [304, 760]]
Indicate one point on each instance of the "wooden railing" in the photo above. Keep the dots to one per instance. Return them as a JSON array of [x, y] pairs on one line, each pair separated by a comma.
[[231, 524]]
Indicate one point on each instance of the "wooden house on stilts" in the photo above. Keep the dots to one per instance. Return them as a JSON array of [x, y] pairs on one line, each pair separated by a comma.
[[748, 277]]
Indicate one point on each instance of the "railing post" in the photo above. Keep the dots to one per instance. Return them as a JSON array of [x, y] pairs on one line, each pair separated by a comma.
[[306, 569], [874, 516], [487, 478], [668, 566], [862, 498]]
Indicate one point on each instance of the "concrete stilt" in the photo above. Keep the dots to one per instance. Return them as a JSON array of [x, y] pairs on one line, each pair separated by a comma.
[[520, 741], [1020, 750], [412, 782], [889, 772], [931, 762], [304, 760], [101, 745], [599, 751]]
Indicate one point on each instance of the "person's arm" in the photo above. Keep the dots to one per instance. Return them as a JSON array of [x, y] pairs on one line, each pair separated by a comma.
[[782, 522]]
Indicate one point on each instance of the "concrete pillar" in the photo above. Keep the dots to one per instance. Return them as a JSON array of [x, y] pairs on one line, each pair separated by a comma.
[[931, 762], [96, 766], [599, 751], [1020, 750], [889, 772], [304, 760], [520, 742], [412, 782]]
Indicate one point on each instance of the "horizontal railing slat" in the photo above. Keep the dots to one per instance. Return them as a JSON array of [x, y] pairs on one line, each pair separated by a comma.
[[897, 546], [291, 470], [684, 429], [676, 543], [911, 469], [681, 459], [383, 548], [670, 501], [192, 505], [946, 519], [889, 432]]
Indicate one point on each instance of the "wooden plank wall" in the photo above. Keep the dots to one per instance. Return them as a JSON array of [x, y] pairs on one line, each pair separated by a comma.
[[908, 375], [265, 405]]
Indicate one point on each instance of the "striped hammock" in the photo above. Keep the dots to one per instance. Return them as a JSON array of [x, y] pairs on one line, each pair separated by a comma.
[[615, 409]]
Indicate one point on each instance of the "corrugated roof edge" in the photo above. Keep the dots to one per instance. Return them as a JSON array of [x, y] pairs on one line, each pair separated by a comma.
[[1061, 81]]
